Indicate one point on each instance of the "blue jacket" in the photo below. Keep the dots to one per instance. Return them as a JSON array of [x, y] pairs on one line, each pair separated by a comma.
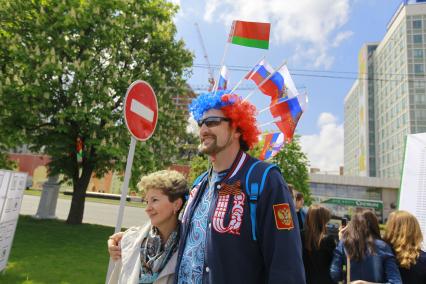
[[231, 255], [380, 267]]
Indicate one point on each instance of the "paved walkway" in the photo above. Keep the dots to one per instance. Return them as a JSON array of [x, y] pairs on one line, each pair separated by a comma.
[[94, 213]]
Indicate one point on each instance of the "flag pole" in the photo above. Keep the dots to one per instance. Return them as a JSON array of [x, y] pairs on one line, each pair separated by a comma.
[[223, 57], [270, 122], [280, 102], [241, 80], [265, 80]]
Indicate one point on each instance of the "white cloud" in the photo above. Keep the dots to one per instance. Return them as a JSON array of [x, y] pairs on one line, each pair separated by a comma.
[[325, 150], [341, 37], [313, 25], [326, 118], [180, 14], [176, 2]]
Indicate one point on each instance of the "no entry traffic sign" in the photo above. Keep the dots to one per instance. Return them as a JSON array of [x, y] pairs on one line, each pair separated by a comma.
[[141, 110], [140, 114]]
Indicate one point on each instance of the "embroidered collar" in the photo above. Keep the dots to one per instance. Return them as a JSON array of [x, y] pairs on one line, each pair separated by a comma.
[[238, 163]]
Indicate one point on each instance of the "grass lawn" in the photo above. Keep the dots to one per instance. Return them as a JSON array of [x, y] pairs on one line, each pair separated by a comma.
[[50, 251]]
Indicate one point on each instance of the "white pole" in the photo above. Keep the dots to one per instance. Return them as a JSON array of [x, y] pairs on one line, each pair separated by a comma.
[[278, 119], [280, 102], [216, 83], [124, 190], [241, 80]]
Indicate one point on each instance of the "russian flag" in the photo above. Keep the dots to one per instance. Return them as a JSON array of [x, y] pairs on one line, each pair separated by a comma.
[[289, 88], [223, 78], [273, 144], [288, 111], [274, 86]]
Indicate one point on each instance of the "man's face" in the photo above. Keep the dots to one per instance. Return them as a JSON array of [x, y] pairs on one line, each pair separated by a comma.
[[215, 136], [299, 203]]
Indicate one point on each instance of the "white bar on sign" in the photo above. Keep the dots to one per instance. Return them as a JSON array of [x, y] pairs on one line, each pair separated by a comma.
[[142, 110]]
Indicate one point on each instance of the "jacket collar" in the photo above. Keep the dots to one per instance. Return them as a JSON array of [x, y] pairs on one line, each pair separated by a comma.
[[236, 166]]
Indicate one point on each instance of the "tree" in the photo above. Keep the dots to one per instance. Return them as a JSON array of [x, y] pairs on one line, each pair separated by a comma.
[[294, 167], [198, 164], [64, 70]]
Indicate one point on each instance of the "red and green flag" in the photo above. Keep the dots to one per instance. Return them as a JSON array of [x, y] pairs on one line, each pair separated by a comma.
[[250, 34]]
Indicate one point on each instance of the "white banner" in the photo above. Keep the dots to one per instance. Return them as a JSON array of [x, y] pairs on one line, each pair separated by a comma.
[[412, 196], [12, 186]]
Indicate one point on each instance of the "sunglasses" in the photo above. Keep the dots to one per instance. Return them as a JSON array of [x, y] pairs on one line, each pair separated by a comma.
[[212, 121]]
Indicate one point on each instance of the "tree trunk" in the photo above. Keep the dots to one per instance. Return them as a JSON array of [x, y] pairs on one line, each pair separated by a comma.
[[75, 216]]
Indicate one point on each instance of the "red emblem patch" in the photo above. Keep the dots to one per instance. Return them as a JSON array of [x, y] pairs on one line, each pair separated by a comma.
[[283, 217]]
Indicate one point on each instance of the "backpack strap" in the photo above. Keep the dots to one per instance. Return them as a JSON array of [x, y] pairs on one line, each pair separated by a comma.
[[254, 183], [197, 181]]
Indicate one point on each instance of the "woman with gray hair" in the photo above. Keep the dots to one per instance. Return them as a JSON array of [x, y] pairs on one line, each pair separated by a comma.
[[148, 254]]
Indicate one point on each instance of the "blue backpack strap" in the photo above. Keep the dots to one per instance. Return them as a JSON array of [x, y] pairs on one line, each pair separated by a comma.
[[197, 181], [254, 183]]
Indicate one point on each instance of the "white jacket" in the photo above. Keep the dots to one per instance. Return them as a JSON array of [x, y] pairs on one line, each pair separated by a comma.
[[126, 270]]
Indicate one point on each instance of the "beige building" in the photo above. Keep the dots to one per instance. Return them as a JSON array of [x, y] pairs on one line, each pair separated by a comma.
[[343, 195]]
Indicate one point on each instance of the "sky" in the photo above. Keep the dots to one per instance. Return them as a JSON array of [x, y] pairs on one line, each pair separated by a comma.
[[319, 40]]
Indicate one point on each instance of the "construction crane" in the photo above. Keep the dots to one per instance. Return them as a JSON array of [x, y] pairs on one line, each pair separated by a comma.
[[209, 67]]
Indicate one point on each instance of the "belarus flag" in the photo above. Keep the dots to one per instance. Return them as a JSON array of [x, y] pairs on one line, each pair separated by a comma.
[[250, 34]]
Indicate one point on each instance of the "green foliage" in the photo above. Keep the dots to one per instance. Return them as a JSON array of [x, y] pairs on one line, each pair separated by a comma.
[[294, 167], [199, 164], [5, 163], [65, 67]]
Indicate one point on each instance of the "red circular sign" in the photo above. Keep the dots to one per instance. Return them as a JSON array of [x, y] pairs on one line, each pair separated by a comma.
[[140, 110]]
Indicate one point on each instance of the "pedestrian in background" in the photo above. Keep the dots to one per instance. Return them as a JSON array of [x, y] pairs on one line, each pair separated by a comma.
[[360, 255], [372, 223], [318, 246], [405, 237], [300, 211]]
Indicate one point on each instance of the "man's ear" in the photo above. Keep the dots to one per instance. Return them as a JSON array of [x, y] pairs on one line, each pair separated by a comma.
[[237, 133]]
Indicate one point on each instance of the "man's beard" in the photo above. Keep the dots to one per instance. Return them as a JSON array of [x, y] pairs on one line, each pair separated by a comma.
[[213, 148]]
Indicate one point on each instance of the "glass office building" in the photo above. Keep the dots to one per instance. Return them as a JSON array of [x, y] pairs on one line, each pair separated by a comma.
[[388, 100]]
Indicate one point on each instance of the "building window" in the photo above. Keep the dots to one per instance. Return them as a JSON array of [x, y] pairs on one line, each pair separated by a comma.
[[417, 24], [419, 69], [417, 39], [418, 53]]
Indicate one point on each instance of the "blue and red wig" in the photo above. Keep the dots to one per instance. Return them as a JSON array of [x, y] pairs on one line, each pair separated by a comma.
[[242, 114]]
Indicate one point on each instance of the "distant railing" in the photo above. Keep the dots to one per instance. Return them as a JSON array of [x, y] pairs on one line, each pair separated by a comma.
[[107, 196]]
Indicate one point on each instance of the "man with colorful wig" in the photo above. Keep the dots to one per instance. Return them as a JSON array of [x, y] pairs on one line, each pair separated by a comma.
[[222, 241]]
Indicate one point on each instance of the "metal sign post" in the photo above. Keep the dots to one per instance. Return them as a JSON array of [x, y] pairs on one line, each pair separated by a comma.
[[140, 114]]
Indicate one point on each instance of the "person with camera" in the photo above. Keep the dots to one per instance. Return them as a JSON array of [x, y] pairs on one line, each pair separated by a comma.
[[361, 256]]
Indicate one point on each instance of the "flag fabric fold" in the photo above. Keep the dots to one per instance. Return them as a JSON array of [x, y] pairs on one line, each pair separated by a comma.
[[274, 86], [223, 78], [274, 142], [287, 112], [250, 34], [289, 88]]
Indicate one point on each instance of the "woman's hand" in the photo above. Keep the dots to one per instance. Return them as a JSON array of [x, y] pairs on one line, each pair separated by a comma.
[[341, 230], [114, 248]]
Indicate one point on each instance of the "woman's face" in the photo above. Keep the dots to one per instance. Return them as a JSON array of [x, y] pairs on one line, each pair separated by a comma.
[[159, 209]]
